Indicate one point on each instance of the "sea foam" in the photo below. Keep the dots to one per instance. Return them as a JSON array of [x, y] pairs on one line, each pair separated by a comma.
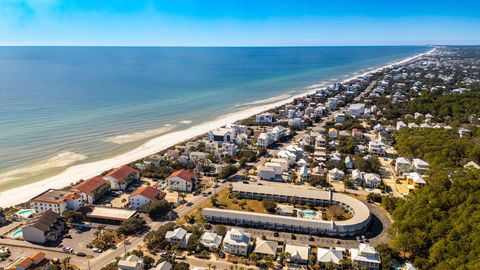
[[63, 159], [137, 136]]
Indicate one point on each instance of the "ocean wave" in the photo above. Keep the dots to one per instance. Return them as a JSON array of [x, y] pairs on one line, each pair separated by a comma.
[[266, 101], [186, 122], [137, 136], [63, 159]]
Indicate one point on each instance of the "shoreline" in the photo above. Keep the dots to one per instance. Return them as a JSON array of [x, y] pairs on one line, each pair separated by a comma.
[[74, 173]]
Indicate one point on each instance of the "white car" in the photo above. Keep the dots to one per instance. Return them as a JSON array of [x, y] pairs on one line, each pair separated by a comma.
[[97, 250]]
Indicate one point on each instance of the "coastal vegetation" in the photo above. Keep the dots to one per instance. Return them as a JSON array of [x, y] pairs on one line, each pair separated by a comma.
[[436, 227]]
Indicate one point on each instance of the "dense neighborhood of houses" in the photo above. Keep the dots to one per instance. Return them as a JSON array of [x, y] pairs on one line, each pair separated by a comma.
[[320, 154]]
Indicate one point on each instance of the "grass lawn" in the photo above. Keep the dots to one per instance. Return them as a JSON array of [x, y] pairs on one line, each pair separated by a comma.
[[224, 202]]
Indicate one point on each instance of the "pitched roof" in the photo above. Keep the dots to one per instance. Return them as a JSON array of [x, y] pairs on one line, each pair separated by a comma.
[[329, 255], [44, 222], [265, 247], [184, 174], [90, 185], [122, 172], [148, 192]]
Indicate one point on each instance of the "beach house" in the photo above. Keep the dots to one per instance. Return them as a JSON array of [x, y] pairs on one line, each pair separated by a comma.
[[179, 236], [132, 262], [182, 180], [365, 257], [143, 196], [265, 248], [356, 110], [402, 166], [264, 118], [35, 261], [420, 165], [298, 253], [372, 180], [236, 242], [49, 226], [211, 240], [329, 255], [92, 189], [121, 177], [265, 139]]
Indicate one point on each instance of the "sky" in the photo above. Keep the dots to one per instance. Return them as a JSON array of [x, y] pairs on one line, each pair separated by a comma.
[[238, 22]]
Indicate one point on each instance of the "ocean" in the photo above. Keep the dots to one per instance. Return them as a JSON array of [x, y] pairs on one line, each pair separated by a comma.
[[64, 106]]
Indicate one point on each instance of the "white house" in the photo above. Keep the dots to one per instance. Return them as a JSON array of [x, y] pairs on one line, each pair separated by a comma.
[[420, 165], [182, 180], [335, 174], [265, 248], [376, 148], [365, 257], [264, 118], [402, 166], [131, 262], [221, 135], [178, 236], [236, 242], [211, 240], [356, 110], [278, 168], [265, 139], [143, 196], [279, 132], [401, 125], [121, 177], [267, 173], [372, 180], [329, 255], [357, 177], [298, 253], [288, 156]]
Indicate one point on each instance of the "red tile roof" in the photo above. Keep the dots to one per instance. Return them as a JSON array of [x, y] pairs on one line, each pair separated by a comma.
[[184, 174], [90, 185], [121, 173], [148, 192]]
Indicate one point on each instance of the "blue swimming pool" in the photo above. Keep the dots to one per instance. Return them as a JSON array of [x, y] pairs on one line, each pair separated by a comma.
[[17, 234], [309, 214], [25, 213]]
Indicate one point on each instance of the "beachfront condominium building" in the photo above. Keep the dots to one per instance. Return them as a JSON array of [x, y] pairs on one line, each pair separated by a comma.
[[365, 257], [92, 189], [182, 180], [236, 242], [49, 226], [56, 200], [121, 177], [143, 196]]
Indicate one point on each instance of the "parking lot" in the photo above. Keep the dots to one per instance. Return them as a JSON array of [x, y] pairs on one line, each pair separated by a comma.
[[79, 240]]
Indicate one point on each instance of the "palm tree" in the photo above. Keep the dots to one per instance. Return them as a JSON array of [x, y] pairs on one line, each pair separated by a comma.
[[66, 262], [209, 266]]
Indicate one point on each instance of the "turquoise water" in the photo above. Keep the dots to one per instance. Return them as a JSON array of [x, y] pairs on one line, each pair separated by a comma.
[[25, 212], [309, 214], [17, 234], [61, 106]]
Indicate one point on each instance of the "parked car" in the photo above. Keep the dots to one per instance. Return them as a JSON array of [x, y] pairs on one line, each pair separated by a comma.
[[97, 250]]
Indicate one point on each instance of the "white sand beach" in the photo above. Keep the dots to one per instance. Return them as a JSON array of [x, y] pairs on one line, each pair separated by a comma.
[[87, 170]]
